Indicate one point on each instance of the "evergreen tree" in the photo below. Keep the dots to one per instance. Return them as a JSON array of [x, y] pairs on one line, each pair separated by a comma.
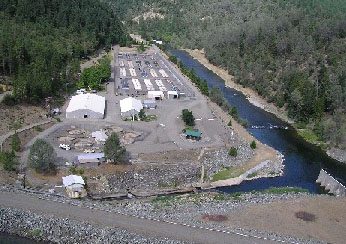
[[113, 150], [42, 157]]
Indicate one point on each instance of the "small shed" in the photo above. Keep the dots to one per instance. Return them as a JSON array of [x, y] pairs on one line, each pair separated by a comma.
[[194, 135], [91, 159], [149, 104], [156, 95], [182, 95], [100, 136], [74, 185], [172, 95]]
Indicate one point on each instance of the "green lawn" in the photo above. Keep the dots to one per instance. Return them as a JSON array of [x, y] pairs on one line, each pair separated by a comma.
[[228, 173]]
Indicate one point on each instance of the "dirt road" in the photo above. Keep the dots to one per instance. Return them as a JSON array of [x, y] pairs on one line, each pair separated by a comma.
[[329, 224], [134, 224]]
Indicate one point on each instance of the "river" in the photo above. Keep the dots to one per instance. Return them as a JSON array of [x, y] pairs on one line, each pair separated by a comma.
[[303, 161]]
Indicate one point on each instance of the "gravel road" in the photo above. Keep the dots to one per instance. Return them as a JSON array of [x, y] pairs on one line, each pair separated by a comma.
[[139, 225]]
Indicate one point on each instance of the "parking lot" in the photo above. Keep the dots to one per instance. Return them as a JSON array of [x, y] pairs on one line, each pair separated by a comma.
[[162, 134], [136, 74]]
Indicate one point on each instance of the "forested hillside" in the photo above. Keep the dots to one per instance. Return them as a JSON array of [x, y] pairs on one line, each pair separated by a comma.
[[291, 52], [42, 41]]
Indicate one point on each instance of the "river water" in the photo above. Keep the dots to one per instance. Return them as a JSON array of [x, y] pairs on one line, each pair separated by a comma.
[[303, 161]]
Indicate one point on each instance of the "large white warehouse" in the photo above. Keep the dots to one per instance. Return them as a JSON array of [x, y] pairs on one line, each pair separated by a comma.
[[130, 107], [86, 106]]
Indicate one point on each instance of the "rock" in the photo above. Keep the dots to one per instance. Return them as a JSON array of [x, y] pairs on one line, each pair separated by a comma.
[[76, 132], [66, 139]]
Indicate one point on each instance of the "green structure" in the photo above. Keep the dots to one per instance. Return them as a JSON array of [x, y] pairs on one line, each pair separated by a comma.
[[194, 135]]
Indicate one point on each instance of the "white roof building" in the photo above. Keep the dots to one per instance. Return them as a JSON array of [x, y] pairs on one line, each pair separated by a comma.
[[86, 106], [100, 136], [130, 107], [156, 95], [172, 94], [74, 185], [72, 179]]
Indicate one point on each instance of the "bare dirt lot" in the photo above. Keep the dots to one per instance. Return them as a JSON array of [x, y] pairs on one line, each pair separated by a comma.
[[27, 135], [280, 217], [26, 114]]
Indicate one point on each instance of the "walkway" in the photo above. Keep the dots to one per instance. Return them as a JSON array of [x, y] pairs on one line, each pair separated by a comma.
[[11, 133]]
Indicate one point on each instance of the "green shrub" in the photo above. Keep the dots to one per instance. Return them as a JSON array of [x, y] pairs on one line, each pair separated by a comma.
[[15, 143], [253, 144], [233, 151], [188, 117], [230, 123], [234, 112], [283, 190], [252, 175], [76, 171], [36, 233], [8, 161], [142, 114], [236, 195], [42, 157], [38, 128], [9, 100], [114, 151]]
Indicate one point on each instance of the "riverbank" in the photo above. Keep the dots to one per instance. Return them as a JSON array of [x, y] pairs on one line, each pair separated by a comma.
[[251, 95], [258, 101], [262, 154]]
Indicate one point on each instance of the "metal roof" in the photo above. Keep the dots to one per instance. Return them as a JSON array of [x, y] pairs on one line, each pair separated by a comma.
[[149, 102], [193, 133], [130, 104], [88, 156], [87, 101], [72, 179], [99, 135]]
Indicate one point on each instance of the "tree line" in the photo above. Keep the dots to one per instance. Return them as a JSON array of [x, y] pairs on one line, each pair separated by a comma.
[[291, 52], [42, 41]]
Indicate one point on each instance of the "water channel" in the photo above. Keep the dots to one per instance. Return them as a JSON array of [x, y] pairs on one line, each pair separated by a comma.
[[303, 161]]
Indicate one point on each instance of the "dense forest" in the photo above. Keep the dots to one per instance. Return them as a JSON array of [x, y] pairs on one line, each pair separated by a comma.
[[291, 52], [42, 42]]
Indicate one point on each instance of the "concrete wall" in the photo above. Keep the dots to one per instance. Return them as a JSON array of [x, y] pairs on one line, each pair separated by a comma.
[[330, 184], [79, 114]]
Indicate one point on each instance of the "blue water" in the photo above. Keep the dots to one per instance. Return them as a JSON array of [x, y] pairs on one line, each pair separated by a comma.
[[303, 161]]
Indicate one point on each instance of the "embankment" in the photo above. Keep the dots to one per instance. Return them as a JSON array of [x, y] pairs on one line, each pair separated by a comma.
[[263, 153], [41, 227], [254, 98]]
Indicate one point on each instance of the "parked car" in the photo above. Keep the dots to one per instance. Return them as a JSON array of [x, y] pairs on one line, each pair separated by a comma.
[[81, 91], [65, 147], [89, 151]]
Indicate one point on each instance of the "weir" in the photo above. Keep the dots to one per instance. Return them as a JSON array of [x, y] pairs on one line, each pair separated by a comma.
[[331, 184]]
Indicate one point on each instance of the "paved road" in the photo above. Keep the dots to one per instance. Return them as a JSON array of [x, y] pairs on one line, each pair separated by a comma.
[[138, 225]]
